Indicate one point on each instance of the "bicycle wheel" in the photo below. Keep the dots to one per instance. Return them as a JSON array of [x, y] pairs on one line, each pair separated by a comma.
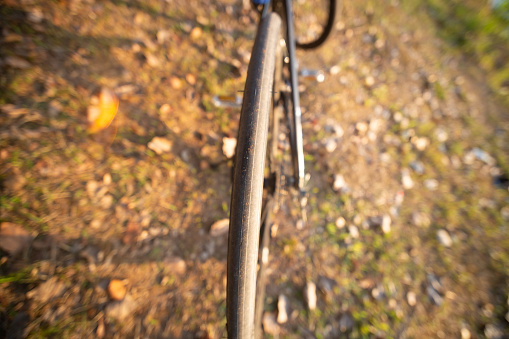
[[271, 191], [247, 191], [314, 21]]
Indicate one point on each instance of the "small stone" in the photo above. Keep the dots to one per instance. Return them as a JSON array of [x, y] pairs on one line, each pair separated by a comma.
[[420, 219], [334, 70], [465, 333], [270, 325], [13, 238], [282, 315], [354, 231], [326, 286], [310, 295], [175, 265], [152, 60], [35, 15], [441, 135], [397, 116], [411, 298], [434, 289], [162, 36], [116, 289], [220, 227], [483, 156], [340, 222], [196, 33], [361, 127], [431, 184], [378, 292], [120, 310], [444, 238], [106, 201], [175, 83], [165, 109], [369, 81], [229, 145], [273, 230], [494, 331], [417, 167], [300, 224], [160, 145], [346, 322], [406, 179], [191, 79], [421, 143], [330, 145], [339, 183], [101, 329], [107, 179], [386, 223]]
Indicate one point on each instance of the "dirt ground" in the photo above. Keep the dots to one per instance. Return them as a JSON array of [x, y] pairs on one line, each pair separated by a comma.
[[406, 145]]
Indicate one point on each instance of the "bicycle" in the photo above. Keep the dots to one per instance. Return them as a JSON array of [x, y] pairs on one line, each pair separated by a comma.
[[271, 89]]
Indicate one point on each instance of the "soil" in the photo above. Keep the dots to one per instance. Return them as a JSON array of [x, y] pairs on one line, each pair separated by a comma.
[[406, 146]]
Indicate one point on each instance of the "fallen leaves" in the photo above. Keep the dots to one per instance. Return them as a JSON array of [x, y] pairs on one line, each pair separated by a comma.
[[116, 289], [13, 238], [102, 110], [49, 290], [17, 62]]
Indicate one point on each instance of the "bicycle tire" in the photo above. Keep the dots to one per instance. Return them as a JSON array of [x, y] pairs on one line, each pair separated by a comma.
[[247, 190], [334, 9], [272, 191]]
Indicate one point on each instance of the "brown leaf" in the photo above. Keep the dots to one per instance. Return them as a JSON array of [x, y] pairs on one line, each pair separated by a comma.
[[13, 238], [101, 115], [17, 62], [131, 233], [116, 289]]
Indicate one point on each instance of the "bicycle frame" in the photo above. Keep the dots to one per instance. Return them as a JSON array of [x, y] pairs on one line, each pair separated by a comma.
[[296, 142]]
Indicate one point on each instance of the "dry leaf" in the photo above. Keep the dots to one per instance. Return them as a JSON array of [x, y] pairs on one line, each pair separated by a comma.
[[101, 115], [16, 62], [13, 238], [116, 289]]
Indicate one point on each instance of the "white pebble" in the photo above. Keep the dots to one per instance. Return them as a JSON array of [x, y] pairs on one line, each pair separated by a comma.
[[340, 222], [444, 238], [411, 298], [310, 294], [282, 315], [406, 180], [386, 223], [354, 231], [339, 182]]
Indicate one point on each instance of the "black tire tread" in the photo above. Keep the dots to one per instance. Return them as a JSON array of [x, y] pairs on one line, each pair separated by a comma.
[[246, 204]]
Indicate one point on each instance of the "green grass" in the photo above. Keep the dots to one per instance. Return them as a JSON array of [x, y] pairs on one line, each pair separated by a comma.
[[480, 32]]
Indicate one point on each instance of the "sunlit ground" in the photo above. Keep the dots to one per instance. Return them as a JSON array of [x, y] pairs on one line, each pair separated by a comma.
[[115, 172]]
